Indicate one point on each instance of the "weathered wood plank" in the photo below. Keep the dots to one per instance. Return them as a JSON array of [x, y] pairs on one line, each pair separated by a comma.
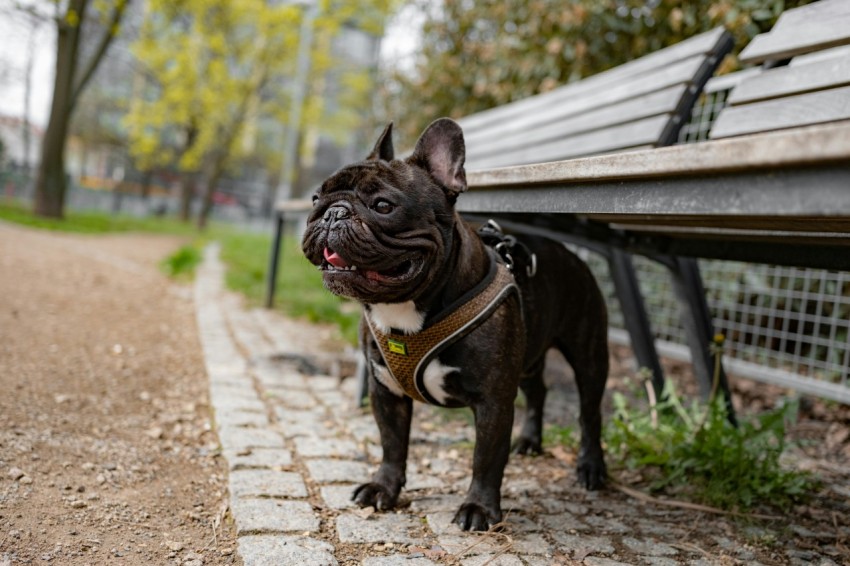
[[817, 56], [785, 198], [801, 110], [803, 38], [823, 10], [707, 43], [809, 145], [624, 136], [786, 81], [539, 129], [532, 108]]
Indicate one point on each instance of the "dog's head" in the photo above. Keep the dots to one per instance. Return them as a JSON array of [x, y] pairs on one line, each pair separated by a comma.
[[381, 229]]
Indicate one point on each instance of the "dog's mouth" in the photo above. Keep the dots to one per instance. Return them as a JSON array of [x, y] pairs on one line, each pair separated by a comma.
[[333, 264]]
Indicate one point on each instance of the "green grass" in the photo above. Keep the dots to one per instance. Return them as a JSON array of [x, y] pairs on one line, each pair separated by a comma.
[[299, 290], [95, 222]]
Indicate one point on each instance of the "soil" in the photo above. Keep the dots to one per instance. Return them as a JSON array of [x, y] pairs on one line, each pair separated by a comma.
[[106, 449]]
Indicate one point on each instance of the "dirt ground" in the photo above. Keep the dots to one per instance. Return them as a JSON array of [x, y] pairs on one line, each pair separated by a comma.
[[106, 452]]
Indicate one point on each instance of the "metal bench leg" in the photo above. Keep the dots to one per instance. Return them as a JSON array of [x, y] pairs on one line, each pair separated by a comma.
[[274, 259], [634, 315], [699, 328]]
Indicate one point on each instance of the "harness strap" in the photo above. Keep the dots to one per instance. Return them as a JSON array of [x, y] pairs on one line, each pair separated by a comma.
[[407, 355]]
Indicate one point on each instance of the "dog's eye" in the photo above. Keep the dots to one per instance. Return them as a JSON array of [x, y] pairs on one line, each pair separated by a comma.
[[382, 206], [315, 199]]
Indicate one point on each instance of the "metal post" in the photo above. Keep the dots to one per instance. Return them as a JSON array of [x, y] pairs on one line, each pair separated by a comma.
[[299, 89], [274, 259], [699, 328], [634, 315]]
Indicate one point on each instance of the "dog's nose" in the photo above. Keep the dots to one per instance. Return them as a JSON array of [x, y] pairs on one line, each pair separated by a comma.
[[336, 213]]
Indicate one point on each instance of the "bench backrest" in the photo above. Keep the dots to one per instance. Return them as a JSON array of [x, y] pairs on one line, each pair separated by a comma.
[[639, 104], [813, 88]]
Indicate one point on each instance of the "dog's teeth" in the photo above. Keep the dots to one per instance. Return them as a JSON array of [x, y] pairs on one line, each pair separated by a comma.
[[353, 268]]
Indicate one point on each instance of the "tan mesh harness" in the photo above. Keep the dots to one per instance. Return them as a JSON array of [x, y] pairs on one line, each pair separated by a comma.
[[407, 355]]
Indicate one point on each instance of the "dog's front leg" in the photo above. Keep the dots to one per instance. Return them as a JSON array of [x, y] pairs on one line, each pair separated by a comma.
[[482, 508], [393, 415]]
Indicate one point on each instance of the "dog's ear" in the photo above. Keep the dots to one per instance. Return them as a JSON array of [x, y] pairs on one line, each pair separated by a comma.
[[441, 151], [384, 146]]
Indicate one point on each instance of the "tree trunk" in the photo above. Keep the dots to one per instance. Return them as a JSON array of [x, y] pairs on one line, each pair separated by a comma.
[[187, 190], [212, 183], [50, 184], [147, 180]]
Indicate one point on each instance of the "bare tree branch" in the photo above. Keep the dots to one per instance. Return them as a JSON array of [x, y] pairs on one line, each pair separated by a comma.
[[105, 41]]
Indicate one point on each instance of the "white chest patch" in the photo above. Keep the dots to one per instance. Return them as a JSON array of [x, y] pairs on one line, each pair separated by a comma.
[[434, 380], [382, 374], [401, 316]]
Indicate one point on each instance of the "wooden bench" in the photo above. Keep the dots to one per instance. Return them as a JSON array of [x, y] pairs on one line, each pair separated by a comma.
[[638, 105], [641, 104], [772, 186]]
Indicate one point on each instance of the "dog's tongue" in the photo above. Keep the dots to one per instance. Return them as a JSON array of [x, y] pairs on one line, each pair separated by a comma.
[[334, 259]]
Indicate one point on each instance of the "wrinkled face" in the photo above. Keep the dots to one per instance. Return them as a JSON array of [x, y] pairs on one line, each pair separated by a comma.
[[379, 231]]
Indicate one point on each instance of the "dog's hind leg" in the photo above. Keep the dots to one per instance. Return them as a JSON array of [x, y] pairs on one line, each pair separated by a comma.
[[530, 439], [589, 361]]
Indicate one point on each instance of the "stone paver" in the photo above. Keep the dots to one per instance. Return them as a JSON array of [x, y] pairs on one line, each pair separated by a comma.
[[236, 437], [270, 458], [377, 528], [397, 560], [273, 515], [297, 448], [326, 448], [338, 496], [331, 471], [271, 550], [266, 483]]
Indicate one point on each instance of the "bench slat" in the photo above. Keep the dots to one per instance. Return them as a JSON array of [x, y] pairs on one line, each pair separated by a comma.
[[801, 110], [785, 81], [538, 131], [626, 136], [809, 28], [813, 144], [707, 43]]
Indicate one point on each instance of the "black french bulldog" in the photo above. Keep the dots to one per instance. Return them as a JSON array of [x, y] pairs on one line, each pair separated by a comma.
[[385, 233]]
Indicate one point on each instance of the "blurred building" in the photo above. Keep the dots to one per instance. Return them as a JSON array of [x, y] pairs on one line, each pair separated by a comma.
[[12, 135]]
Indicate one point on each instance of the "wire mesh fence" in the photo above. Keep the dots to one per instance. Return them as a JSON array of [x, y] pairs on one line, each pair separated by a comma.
[[783, 325]]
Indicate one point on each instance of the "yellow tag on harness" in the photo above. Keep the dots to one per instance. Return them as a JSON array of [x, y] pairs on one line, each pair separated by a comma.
[[397, 347]]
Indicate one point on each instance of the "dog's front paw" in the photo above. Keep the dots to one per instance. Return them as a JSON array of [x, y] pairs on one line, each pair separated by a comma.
[[592, 472], [374, 495], [474, 517], [531, 446]]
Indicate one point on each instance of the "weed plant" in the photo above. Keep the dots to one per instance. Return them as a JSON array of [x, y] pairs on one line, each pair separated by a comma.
[[694, 452], [182, 263]]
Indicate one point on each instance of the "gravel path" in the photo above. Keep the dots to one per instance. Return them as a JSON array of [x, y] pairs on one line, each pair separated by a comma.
[[140, 426], [106, 448], [297, 445]]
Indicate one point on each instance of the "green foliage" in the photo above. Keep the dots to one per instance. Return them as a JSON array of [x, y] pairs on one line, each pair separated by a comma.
[[182, 263], [477, 55], [218, 69], [693, 451], [299, 290]]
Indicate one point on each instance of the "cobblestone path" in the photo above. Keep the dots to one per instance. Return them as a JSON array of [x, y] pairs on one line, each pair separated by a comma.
[[296, 446]]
